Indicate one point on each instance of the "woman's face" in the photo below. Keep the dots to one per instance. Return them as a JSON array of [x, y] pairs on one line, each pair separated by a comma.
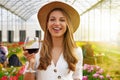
[[57, 24]]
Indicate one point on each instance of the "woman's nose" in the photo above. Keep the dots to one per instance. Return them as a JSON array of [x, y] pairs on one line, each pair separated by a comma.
[[57, 22]]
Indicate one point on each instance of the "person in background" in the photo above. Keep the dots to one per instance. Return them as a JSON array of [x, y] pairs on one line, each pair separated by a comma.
[[14, 61], [3, 54], [58, 58]]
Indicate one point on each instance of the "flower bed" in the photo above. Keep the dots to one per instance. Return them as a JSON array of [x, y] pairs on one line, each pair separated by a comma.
[[90, 72], [12, 73], [93, 72], [15, 48]]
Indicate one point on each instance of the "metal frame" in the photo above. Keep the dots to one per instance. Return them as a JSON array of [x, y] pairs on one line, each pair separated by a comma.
[[26, 8]]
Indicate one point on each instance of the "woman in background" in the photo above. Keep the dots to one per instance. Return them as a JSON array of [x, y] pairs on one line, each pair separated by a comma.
[[3, 54]]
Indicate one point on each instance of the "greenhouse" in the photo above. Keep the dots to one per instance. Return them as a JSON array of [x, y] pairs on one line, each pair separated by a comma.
[[98, 33]]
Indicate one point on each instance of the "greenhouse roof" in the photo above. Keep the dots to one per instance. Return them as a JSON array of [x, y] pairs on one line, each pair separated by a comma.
[[26, 8]]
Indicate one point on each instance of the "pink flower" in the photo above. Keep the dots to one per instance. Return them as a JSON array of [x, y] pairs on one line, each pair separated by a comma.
[[107, 76], [85, 78], [94, 72], [85, 67], [100, 71], [110, 79], [96, 75], [97, 67], [101, 77], [91, 68]]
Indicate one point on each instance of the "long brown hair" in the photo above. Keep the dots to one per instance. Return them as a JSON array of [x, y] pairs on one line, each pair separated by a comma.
[[68, 48]]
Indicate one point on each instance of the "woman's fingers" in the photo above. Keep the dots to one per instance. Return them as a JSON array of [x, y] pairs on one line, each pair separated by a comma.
[[25, 53], [30, 56]]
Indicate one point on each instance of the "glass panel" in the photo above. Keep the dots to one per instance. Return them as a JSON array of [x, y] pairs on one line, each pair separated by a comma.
[[3, 2]]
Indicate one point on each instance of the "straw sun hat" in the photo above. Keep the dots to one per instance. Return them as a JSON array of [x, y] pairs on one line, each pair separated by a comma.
[[44, 11]]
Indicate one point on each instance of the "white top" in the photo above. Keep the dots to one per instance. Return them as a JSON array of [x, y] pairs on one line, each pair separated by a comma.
[[60, 71]]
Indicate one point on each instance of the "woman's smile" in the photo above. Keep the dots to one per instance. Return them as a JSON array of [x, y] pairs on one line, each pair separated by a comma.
[[57, 29]]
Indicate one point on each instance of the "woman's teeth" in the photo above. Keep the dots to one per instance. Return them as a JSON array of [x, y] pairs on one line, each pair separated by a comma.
[[56, 28]]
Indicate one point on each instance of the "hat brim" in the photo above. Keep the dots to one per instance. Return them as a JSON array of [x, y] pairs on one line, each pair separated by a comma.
[[44, 11]]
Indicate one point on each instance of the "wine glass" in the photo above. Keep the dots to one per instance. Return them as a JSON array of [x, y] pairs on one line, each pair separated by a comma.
[[31, 44]]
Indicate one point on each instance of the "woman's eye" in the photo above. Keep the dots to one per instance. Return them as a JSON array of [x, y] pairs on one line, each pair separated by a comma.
[[62, 20], [52, 19]]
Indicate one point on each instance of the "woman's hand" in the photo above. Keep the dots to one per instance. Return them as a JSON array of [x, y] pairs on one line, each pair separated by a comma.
[[30, 58], [27, 55]]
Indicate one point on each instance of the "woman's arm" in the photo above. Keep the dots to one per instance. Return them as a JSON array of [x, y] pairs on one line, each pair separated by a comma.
[[29, 76], [31, 59], [79, 72]]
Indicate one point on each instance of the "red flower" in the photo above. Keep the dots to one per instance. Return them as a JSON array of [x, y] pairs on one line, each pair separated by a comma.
[[22, 69], [4, 78], [13, 78], [20, 72], [20, 43]]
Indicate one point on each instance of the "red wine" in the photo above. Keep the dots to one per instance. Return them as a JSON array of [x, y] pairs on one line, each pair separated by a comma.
[[33, 50]]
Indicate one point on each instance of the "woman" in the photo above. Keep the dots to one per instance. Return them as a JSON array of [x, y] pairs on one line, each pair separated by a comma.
[[59, 58], [3, 54]]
